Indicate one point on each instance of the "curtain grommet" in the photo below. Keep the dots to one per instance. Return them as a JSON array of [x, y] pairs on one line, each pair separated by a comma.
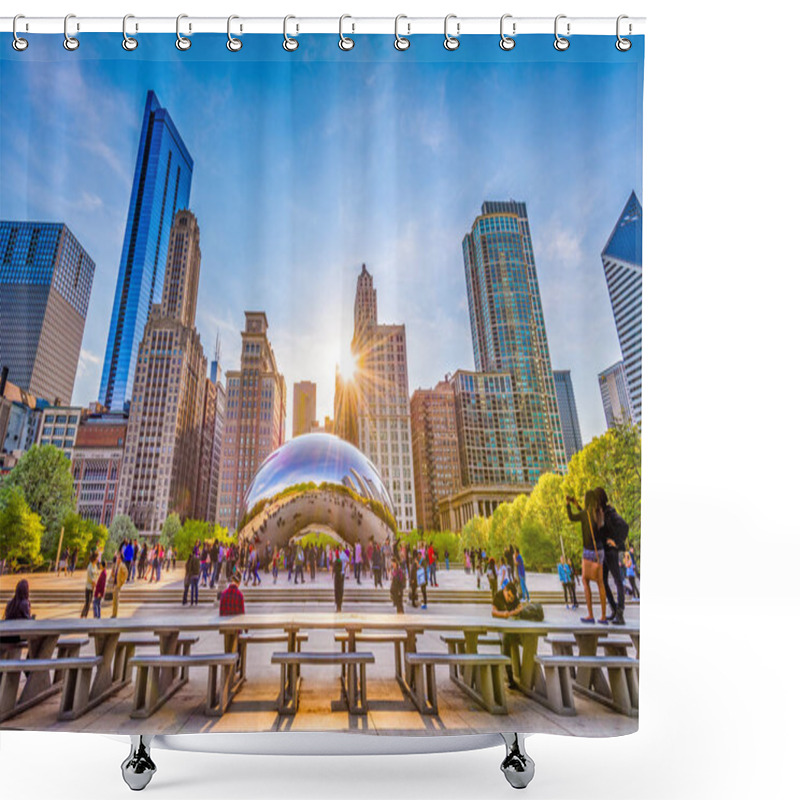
[[561, 44], [17, 42], [507, 42], [345, 42], [401, 43], [129, 43], [451, 43], [181, 42], [233, 44], [622, 44], [290, 44], [70, 42]]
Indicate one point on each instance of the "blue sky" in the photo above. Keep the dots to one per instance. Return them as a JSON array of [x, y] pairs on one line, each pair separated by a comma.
[[308, 164]]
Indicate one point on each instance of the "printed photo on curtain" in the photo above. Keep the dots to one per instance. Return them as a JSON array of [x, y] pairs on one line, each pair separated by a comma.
[[321, 390]]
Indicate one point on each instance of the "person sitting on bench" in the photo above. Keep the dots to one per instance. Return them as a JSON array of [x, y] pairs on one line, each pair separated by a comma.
[[231, 601], [506, 605]]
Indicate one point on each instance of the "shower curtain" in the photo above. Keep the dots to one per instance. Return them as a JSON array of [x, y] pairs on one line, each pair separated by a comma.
[[343, 339]]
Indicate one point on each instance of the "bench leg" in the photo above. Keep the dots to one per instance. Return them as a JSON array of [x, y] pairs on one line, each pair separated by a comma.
[[619, 690], [398, 661], [213, 701], [363, 689], [517, 766], [75, 694], [9, 688], [433, 700], [632, 676], [499, 688], [138, 768]]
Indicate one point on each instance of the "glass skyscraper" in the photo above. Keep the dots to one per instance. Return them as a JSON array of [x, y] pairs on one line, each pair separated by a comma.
[[568, 411], [45, 282], [622, 263], [161, 185]]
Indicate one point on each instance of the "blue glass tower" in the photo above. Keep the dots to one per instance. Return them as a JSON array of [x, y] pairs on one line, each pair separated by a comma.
[[161, 185]]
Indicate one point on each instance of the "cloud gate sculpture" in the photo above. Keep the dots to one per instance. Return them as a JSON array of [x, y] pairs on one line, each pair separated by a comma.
[[317, 483]]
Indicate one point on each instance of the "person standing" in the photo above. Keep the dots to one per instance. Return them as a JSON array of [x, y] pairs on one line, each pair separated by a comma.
[[299, 564], [140, 562], [422, 582], [432, 565], [630, 571], [275, 561], [412, 580], [491, 575], [591, 519], [521, 576], [357, 563], [613, 535], [120, 578], [312, 562], [191, 575], [397, 586], [254, 565], [447, 559], [214, 564], [377, 566], [73, 560], [92, 573], [338, 582], [99, 590], [128, 555], [567, 583]]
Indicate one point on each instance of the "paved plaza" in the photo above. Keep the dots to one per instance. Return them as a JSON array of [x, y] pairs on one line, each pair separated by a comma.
[[254, 707]]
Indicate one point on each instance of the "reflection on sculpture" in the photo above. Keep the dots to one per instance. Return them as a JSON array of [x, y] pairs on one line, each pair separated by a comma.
[[317, 483]]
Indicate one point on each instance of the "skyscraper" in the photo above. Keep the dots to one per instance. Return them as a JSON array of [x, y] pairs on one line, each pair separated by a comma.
[[614, 393], [160, 470], [381, 399], [568, 412], [622, 263], [161, 185], [304, 407], [255, 417], [434, 445], [45, 282]]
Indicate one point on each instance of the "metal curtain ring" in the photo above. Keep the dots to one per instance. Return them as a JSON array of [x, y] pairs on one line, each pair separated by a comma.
[[401, 42], [289, 43], [128, 42], [233, 44], [560, 43], [507, 42], [451, 42], [345, 42], [181, 42], [623, 44], [70, 42], [18, 43]]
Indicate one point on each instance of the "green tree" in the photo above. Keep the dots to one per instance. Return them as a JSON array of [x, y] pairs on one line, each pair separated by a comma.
[[475, 534], [79, 534], [44, 475], [122, 528], [193, 530], [545, 524], [170, 529], [20, 529]]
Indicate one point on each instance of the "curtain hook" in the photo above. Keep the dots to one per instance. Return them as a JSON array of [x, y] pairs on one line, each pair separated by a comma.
[[451, 42], [289, 43], [401, 42], [561, 43], [128, 42], [70, 42], [18, 43], [233, 44], [181, 42], [345, 42], [507, 42], [623, 44]]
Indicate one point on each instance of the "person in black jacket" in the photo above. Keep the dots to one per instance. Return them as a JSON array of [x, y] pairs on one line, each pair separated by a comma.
[[613, 535]]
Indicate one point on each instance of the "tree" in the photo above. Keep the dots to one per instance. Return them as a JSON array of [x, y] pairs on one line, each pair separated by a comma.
[[192, 531], [170, 529], [545, 524], [44, 475], [475, 534], [78, 534], [122, 528], [20, 529]]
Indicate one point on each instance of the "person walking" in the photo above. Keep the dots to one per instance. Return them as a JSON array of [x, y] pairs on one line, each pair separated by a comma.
[[613, 535], [591, 520], [377, 566], [62, 563], [338, 582], [191, 576], [99, 590], [92, 573], [120, 579], [255, 564], [73, 560], [128, 559], [300, 564], [357, 563], [567, 583], [214, 564], [422, 582], [140, 562], [275, 562], [630, 572], [412, 580], [432, 559], [521, 576], [397, 586]]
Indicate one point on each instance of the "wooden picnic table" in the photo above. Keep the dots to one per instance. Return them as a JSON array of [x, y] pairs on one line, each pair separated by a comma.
[[42, 637]]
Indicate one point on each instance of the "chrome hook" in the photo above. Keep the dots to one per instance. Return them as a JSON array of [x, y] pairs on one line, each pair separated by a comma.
[[233, 44], [70, 42], [289, 44], [561, 43], [18, 43], [128, 42], [623, 44], [401, 42], [507, 42], [345, 42], [181, 42], [451, 42]]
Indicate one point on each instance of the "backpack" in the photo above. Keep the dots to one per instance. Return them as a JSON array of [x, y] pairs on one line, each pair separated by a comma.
[[617, 527]]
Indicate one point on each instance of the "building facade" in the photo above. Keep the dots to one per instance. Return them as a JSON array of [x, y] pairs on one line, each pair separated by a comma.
[[164, 438], [161, 186], [45, 281], [304, 407], [568, 412], [96, 465], [60, 427], [255, 417], [434, 445], [614, 393], [622, 264], [20, 420], [211, 446], [383, 418]]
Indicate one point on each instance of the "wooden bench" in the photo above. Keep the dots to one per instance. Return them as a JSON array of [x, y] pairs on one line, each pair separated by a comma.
[[74, 692], [563, 644], [151, 692], [68, 647], [354, 685], [246, 639], [557, 694], [126, 649], [615, 646], [457, 643], [488, 677], [388, 637]]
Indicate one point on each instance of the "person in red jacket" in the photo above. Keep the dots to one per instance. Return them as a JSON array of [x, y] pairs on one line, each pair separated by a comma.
[[231, 601], [99, 590]]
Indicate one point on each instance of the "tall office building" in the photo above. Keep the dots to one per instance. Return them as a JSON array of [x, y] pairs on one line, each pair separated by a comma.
[[164, 438], [20, 421], [161, 184], [45, 282], [568, 412], [383, 417], [255, 417], [434, 445], [304, 407], [211, 445], [59, 427], [345, 409], [614, 393], [622, 263]]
